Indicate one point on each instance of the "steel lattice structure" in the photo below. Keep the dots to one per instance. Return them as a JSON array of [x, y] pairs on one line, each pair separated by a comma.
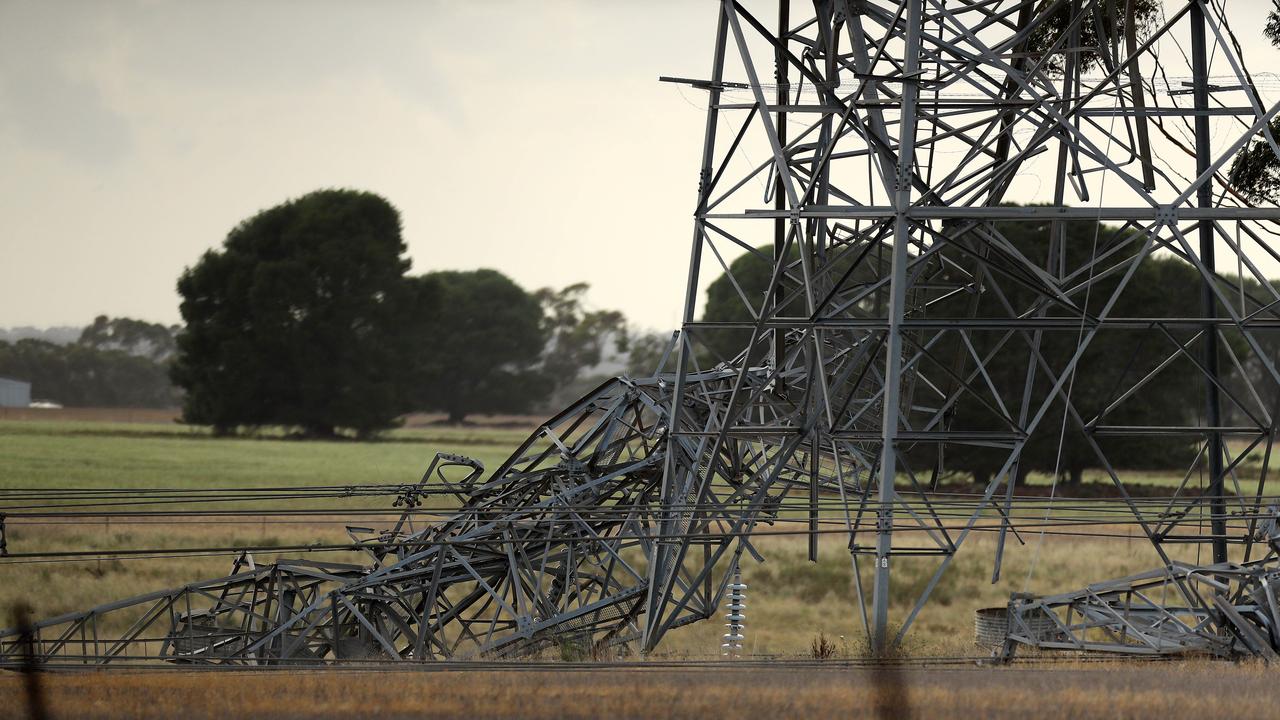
[[907, 320], [897, 132]]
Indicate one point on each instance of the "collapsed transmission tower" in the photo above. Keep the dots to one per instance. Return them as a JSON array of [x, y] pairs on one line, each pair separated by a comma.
[[870, 155]]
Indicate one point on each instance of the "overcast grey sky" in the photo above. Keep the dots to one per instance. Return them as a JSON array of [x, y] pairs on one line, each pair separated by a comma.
[[530, 137]]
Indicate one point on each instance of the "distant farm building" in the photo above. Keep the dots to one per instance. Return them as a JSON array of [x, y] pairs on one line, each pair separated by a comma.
[[14, 393]]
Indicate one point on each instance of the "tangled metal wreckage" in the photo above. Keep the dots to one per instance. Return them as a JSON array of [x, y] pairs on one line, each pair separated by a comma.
[[914, 316]]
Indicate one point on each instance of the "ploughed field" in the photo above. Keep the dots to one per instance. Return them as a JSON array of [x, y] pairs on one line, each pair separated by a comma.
[[792, 603]]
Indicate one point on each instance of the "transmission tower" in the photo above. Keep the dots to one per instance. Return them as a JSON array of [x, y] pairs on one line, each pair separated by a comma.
[[897, 135], [914, 176]]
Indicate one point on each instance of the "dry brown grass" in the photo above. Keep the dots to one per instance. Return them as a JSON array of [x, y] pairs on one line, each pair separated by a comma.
[[53, 588], [1165, 691], [790, 600]]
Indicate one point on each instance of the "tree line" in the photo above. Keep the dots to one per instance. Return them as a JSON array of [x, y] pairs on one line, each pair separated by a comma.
[[115, 362], [308, 317]]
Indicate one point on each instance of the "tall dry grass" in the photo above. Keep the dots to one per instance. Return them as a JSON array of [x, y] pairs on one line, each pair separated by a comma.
[[790, 600]]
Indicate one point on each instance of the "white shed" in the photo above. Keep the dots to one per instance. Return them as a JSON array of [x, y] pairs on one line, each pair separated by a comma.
[[14, 393]]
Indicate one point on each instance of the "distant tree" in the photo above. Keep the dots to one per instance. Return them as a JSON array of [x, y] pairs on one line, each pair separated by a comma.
[[577, 338], [82, 376], [135, 337], [296, 320], [58, 335], [1255, 172], [645, 351], [1104, 23], [485, 346]]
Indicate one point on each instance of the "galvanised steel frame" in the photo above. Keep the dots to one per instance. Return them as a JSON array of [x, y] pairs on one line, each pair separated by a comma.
[[1225, 609], [897, 135], [551, 551], [894, 135]]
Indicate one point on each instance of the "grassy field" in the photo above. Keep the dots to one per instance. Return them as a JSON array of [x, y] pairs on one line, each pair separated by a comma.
[[1184, 691], [792, 601], [98, 454], [139, 455]]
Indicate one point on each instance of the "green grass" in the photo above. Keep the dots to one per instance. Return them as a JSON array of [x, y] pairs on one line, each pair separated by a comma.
[[110, 455], [104, 455]]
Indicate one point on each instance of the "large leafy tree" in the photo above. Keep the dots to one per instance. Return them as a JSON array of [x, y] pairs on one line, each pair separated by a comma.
[[1256, 170], [484, 345], [297, 320], [739, 295], [1113, 362], [1103, 26]]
